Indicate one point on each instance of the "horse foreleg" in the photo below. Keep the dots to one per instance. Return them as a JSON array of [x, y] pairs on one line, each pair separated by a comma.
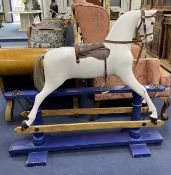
[[47, 89], [129, 78]]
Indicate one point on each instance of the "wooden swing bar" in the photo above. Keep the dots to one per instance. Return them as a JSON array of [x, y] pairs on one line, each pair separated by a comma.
[[88, 126], [80, 111]]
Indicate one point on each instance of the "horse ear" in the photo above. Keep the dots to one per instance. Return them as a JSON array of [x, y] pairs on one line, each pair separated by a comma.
[[150, 12]]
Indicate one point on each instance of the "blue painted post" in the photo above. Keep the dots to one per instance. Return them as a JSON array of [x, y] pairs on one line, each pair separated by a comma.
[[136, 114], [86, 100], [38, 138]]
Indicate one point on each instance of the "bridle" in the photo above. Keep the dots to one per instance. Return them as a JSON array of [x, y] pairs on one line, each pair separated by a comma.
[[143, 17], [139, 42]]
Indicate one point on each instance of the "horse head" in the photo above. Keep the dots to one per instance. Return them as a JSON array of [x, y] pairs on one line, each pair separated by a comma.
[[146, 24]]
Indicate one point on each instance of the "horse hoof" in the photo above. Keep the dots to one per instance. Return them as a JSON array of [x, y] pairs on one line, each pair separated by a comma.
[[24, 126], [149, 113], [153, 120]]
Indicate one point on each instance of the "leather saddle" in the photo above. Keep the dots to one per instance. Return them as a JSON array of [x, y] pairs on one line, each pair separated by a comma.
[[96, 50]]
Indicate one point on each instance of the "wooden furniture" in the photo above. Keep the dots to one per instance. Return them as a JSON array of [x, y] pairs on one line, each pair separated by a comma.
[[18, 61], [163, 7], [40, 144], [166, 52], [89, 36], [148, 71], [14, 62], [92, 30]]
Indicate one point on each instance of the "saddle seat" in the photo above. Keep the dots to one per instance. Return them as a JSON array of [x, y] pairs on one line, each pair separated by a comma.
[[96, 50]]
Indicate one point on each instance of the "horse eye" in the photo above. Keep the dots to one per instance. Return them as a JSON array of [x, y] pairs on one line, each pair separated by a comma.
[[152, 23]]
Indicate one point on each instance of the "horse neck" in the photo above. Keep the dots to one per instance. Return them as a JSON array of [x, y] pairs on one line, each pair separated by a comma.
[[124, 28]]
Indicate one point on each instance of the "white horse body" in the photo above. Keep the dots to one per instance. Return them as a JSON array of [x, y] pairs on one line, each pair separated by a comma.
[[66, 67], [60, 63]]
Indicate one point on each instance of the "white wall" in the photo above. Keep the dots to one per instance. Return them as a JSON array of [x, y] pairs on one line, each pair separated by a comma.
[[6, 4], [1, 7]]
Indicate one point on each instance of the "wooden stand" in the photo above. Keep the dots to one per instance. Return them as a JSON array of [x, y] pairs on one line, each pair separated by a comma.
[[38, 147]]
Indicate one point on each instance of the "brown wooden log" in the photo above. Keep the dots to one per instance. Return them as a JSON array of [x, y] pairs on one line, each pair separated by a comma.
[[64, 112], [87, 126], [111, 110], [19, 61]]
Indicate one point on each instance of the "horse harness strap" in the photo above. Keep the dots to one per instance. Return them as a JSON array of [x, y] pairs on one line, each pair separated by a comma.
[[143, 17], [96, 50], [99, 51], [123, 42], [129, 42]]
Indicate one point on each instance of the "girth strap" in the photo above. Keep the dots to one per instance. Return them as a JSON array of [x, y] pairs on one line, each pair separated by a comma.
[[129, 42], [123, 42], [96, 50]]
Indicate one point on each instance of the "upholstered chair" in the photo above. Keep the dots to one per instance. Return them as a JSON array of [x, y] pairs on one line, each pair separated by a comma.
[[148, 70]]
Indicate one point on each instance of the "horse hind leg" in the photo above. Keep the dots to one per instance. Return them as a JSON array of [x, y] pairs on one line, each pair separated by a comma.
[[128, 77], [47, 89]]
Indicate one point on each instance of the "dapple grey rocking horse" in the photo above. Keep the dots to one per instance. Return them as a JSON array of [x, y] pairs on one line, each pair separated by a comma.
[[60, 64]]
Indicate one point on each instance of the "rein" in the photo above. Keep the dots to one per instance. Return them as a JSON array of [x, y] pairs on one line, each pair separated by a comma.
[[143, 17], [123, 42], [130, 42]]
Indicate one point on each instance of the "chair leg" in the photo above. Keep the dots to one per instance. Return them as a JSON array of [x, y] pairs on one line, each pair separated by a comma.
[[93, 117], [9, 110], [9, 104], [166, 104], [2, 85]]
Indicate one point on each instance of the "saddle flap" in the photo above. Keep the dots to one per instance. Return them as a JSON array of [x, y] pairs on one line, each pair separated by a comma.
[[96, 50]]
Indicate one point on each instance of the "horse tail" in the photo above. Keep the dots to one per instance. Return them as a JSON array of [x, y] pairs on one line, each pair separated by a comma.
[[38, 76]]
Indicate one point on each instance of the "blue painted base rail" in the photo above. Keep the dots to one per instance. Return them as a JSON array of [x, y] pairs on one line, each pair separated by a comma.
[[81, 91], [38, 147]]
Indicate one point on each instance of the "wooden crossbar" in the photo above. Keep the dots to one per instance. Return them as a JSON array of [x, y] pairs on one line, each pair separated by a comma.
[[88, 126], [79, 111]]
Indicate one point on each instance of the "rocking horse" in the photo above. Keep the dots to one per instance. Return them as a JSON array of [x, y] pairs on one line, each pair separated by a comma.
[[84, 61], [60, 64]]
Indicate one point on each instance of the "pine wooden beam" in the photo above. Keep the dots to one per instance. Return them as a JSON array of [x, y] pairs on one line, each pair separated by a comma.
[[79, 111], [88, 126]]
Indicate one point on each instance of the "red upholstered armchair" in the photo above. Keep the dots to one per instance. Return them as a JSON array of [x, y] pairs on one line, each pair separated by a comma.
[[93, 21], [148, 71], [94, 24]]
